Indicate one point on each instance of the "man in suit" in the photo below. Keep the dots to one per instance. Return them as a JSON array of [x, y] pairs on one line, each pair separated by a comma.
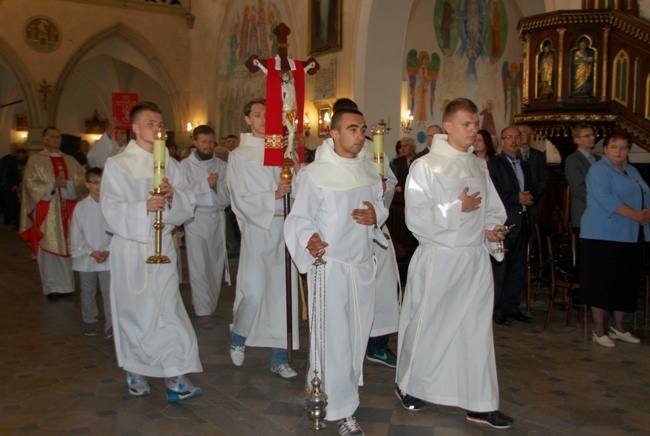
[[575, 170], [403, 162], [513, 181], [537, 161], [431, 131]]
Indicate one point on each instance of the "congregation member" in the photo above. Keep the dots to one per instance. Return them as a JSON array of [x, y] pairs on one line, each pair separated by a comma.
[[338, 208], [51, 185], [446, 348], [401, 164], [613, 228], [205, 234], [13, 166], [432, 130], [538, 171], [576, 166], [152, 331], [221, 151], [512, 179], [90, 243], [257, 193], [483, 146], [108, 145]]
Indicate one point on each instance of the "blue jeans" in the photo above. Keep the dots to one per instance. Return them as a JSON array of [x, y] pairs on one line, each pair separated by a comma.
[[278, 355]]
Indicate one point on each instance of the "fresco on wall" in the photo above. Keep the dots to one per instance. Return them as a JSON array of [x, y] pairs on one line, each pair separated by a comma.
[[465, 51], [513, 78], [474, 29], [251, 32], [423, 71]]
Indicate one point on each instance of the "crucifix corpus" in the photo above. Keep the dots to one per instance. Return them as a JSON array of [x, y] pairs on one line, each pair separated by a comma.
[[284, 139]]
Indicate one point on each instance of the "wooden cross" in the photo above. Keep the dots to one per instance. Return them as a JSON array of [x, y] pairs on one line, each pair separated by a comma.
[[282, 31], [311, 66]]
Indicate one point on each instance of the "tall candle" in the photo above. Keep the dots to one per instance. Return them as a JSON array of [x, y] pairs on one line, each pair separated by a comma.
[[159, 159], [378, 151]]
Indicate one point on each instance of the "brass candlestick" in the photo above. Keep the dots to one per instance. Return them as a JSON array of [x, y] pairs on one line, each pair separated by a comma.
[[158, 257]]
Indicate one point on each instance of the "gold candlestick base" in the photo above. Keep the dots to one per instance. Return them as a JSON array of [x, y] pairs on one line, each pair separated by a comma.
[[158, 257]]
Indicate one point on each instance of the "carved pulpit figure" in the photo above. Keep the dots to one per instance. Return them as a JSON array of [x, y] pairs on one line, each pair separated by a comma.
[[546, 70], [285, 99]]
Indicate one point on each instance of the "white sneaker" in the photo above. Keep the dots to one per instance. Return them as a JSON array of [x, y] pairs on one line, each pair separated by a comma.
[[284, 371], [180, 388], [237, 354], [625, 337], [137, 384], [349, 426]]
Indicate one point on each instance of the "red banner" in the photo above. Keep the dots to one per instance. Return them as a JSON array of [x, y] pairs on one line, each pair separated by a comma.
[[123, 102]]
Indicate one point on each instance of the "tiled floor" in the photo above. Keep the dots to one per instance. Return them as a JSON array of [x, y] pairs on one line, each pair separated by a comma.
[[54, 380]]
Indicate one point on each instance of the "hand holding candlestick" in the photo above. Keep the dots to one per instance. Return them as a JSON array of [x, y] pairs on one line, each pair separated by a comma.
[[162, 190]]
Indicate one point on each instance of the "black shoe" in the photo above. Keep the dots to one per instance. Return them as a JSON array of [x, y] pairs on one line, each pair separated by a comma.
[[518, 316], [387, 358], [54, 296], [501, 320], [495, 419], [410, 403]]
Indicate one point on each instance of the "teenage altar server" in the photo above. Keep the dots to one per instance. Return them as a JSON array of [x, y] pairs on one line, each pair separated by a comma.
[[153, 334], [259, 312], [446, 349]]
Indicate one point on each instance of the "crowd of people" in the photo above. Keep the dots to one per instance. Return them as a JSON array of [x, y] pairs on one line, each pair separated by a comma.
[[460, 197]]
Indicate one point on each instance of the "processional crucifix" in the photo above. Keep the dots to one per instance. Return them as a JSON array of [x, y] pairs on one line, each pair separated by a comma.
[[285, 100]]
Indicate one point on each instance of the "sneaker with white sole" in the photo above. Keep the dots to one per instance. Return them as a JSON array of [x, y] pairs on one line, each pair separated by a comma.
[[90, 329], [180, 388], [349, 426], [494, 419], [386, 357], [137, 384], [237, 354], [284, 371], [409, 402]]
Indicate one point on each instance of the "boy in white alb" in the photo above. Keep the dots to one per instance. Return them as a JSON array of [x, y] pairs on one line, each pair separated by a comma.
[[89, 242]]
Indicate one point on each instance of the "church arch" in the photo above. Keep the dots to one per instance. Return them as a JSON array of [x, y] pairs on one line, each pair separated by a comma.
[[149, 54]]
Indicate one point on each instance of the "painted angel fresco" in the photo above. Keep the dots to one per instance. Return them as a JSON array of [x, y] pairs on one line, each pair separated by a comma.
[[512, 79], [412, 66], [472, 30]]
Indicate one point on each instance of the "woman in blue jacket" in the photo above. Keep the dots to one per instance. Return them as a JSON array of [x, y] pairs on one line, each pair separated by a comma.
[[613, 228]]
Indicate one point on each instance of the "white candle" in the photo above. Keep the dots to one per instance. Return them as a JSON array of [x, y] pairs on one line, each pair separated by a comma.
[[159, 160], [378, 151]]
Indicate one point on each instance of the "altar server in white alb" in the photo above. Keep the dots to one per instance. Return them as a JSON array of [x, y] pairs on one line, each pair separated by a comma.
[[446, 349], [89, 242], [205, 234], [153, 334], [337, 213], [259, 312], [386, 317]]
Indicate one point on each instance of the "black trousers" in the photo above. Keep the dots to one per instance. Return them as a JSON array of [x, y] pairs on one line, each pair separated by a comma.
[[510, 274]]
